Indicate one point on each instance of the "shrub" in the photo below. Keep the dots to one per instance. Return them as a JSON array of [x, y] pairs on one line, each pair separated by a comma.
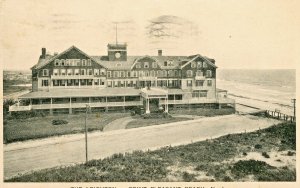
[[290, 153], [59, 122], [188, 177], [244, 153], [265, 154], [132, 113], [258, 146], [250, 167]]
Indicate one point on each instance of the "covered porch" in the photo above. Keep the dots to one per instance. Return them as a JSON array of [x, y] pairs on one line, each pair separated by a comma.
[[157, 94]]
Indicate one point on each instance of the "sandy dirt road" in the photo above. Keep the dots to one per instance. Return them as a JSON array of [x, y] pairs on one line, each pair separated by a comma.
[[33, 155]]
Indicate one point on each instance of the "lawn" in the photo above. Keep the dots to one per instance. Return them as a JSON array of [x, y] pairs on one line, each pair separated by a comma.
[[41, 127], [222, 159], [140, 122], [202, 111]]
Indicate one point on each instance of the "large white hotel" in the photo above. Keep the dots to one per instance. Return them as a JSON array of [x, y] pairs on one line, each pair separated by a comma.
[[68, 81]]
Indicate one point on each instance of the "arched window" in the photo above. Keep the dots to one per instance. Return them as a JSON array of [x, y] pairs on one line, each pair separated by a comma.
[[199, 73], [193, 64], [189, 73], [199, 64], [159, 73], [170, 73], [152, 73], [146, 64], [146, 73]]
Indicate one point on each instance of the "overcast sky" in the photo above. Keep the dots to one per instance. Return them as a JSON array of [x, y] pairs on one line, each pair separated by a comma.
[[237, 34]]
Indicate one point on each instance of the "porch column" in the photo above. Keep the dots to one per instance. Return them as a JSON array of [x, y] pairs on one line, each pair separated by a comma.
[[174, 102], [166, 105], [124, 105], [147, 106], [70, 109], [106, 108], [51, 110], [79, 84]]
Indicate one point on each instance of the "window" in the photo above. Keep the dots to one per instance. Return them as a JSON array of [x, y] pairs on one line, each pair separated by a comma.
[[165, 63], [57, 62], [154, 65], [176, 73], [165, 74], [189, 73], [96, 82], [122, 74], [141, 73], [203, 93], [78, 62], [63, 72], [193, 64], [102, 72], [146, 64], [116, 74], [209, 82], [96, 72], [82, 72], [108, 83], [199, 73], [55, 72], [84, 62], [63, 62], [135, 74], [147, 73], [189, 83], [199, 82], [208, 73], [204, 64], [76, 71], [109, 74], [159, 73], [199, 64], [170, 73], [69, 72], [152, 73], [90, 71], [138, 65], [45, 72], [89, 62], [45, 83], [128, 73]]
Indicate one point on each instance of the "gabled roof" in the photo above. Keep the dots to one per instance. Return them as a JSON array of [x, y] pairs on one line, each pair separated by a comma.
[[43, 62], [203, 57]]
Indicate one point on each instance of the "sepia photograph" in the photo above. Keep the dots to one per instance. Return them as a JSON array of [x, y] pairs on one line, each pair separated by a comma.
[[170, 93]]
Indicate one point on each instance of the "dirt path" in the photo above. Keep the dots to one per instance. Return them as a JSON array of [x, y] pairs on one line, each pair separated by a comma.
[[118, 124], [28, 156]]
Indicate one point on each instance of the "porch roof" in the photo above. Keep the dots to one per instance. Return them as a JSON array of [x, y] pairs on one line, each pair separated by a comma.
[[66, 93]]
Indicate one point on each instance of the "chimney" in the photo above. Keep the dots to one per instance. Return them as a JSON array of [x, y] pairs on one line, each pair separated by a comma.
[[159, 52], [43, 56]]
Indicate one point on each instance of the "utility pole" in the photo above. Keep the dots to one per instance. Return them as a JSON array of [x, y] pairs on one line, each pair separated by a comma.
[[86, 144], [294, 104]]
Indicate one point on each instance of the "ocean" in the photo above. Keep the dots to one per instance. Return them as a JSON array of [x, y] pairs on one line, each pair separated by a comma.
[[272, 88]]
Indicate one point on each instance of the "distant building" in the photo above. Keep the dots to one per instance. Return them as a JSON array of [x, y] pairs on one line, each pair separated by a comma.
[[67, 81]]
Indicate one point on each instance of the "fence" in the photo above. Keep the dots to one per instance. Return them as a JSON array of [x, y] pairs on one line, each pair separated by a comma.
[[279, 115]]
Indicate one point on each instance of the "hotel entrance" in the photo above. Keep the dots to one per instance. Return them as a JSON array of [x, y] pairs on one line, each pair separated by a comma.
[[152, 98]]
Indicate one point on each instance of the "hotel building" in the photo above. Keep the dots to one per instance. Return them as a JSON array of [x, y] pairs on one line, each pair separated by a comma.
[[70, 80]]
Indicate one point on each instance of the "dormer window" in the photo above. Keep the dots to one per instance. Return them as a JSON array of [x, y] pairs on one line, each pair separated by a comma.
[[63, 62], [204, 64], [138, 65], [45, 72], [146, 64], [165, 63], [84, 62]]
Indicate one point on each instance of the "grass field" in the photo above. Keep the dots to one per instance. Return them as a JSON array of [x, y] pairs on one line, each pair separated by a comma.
[[227, 158], [140, 122], [41, 127]]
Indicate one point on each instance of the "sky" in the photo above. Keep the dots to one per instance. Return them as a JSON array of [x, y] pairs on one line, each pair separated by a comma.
[[253, 34]]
